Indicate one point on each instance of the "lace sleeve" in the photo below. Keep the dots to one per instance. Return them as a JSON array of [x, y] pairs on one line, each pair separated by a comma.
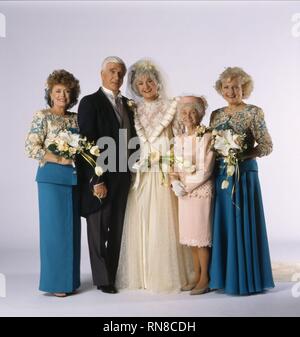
[[34, 144], [261, 134]]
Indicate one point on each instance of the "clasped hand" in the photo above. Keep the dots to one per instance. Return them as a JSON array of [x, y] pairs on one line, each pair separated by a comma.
[[100, 191], [178, 188]]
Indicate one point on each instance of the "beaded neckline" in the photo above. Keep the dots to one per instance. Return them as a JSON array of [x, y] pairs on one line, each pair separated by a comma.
[[67, 114]]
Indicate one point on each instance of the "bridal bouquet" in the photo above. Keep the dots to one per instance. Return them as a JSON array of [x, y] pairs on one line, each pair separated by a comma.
[[167, 163], [183, 165], [67, 144], [228, 145]]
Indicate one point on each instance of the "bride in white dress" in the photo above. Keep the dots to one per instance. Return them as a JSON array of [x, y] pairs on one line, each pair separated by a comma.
[[151, 257]]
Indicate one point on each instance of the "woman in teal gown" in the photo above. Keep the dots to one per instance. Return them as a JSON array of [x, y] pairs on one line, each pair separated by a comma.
[[240, 262], [57, 188]]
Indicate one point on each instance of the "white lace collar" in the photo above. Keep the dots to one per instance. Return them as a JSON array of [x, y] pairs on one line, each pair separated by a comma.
[[163, 123]]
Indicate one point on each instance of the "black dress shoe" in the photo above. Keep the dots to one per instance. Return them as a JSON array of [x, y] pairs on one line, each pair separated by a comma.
[[110, 289]]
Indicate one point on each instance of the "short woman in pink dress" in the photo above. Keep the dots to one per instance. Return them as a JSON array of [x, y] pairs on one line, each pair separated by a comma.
[[192, 182]]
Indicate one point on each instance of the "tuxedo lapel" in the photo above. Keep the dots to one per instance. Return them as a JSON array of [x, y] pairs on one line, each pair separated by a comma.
[[128, 111]]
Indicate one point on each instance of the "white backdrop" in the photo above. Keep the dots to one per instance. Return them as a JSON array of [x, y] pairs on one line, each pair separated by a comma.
[[192, 41]]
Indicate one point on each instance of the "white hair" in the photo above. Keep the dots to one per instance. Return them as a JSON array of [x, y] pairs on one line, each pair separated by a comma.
[[200, 106], [141, 68], [113, 59]]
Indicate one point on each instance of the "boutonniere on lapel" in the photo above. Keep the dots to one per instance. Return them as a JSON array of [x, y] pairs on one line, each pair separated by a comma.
[[132, 105]]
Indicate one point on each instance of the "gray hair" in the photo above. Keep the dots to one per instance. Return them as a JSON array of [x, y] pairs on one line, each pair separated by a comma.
[[113, 59], [200, 105], [145, 67]]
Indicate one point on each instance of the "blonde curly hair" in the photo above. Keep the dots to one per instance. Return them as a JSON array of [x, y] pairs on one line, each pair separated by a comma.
[[232, 73]]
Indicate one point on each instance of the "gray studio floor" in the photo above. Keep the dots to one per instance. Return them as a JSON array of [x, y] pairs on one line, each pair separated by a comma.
[[23, 299]]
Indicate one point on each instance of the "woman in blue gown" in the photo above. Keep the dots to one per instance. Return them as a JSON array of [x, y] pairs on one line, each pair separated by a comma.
[[240, 262], [57, 188]]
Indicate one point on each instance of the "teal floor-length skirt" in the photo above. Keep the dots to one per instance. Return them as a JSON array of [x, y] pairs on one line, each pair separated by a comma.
[[240, 262], [59, 237]]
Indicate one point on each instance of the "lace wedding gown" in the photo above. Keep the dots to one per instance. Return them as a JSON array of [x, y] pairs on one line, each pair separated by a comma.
[[151, 257]]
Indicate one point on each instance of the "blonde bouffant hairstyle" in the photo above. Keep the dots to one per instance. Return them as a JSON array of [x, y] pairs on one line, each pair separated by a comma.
[[231, 73]]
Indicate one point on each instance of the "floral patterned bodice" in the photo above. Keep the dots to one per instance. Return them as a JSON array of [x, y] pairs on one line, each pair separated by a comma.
[[249, 121], [46, 125]]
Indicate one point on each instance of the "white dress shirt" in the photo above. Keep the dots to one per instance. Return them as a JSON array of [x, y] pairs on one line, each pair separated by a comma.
[[116, 101]]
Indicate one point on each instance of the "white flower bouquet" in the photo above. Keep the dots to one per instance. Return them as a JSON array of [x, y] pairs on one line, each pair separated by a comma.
[[169, 162], [165, 164], [67, 144], [229, 146]]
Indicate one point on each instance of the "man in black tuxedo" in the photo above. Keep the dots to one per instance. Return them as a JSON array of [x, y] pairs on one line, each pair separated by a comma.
[[103, 114]]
